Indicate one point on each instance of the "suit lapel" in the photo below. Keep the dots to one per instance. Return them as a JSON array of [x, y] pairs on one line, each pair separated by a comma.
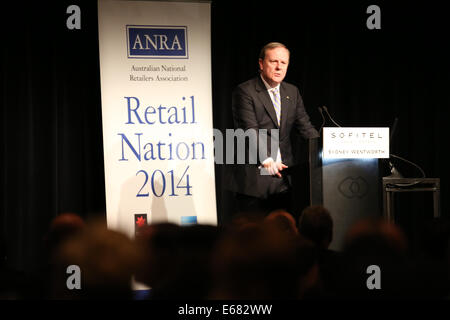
[[266, 100]]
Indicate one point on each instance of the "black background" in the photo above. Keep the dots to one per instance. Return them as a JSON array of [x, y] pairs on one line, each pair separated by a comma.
[[52, 148]]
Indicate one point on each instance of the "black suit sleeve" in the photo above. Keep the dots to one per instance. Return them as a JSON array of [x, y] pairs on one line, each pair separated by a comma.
[[243, 110], [244, 117]]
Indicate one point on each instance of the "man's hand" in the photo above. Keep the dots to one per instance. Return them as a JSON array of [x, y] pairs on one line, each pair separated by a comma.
[[273, 167]]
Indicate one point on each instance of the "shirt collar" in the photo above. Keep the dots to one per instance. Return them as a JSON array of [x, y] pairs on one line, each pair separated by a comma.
[[268, 87]]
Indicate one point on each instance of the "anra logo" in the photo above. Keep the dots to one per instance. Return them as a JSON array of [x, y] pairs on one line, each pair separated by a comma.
[[140, 222], [156, 42]]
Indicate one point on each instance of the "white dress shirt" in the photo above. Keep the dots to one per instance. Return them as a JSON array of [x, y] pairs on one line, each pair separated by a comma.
[[269, 90]]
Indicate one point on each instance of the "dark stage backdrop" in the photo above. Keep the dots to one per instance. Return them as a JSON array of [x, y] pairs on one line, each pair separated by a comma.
[[52, 156]]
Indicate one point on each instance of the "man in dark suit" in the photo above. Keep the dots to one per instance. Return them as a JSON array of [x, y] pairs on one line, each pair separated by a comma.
[[267, 103]]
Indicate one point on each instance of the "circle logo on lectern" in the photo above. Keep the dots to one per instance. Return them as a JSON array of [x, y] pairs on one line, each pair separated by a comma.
[[353, 187]]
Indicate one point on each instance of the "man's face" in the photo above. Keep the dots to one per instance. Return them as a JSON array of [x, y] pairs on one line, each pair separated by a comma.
[[274, 66]]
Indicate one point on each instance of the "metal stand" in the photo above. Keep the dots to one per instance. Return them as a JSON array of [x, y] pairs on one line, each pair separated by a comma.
[[392, 185]]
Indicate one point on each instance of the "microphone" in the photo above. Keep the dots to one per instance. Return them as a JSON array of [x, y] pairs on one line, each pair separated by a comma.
[[394, 172], [394, 126], [323, 119], [329, 116]]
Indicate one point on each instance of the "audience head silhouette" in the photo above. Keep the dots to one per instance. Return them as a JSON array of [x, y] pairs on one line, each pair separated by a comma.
[[255, 261], [107, 260], [62, 227], [316, 224], [282, 220]]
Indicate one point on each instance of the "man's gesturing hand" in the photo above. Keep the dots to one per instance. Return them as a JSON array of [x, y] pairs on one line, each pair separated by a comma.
[[273, 167]]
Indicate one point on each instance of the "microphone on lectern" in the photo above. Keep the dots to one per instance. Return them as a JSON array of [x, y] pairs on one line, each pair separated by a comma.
[[329, 116], [323, 119]]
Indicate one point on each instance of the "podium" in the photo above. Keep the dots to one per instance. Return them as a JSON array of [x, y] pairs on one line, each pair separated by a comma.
[[349, 188]]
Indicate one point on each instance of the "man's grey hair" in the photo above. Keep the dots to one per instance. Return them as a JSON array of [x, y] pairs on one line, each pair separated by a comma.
[[271, 45]]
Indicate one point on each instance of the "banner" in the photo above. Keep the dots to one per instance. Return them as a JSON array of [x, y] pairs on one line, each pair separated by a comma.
[[155, 64]]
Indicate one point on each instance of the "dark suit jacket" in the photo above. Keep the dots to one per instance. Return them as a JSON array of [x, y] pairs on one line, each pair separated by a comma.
[[253, 109]]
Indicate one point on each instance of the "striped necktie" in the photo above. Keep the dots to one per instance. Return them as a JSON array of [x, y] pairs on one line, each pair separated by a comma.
[[276, 103]]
